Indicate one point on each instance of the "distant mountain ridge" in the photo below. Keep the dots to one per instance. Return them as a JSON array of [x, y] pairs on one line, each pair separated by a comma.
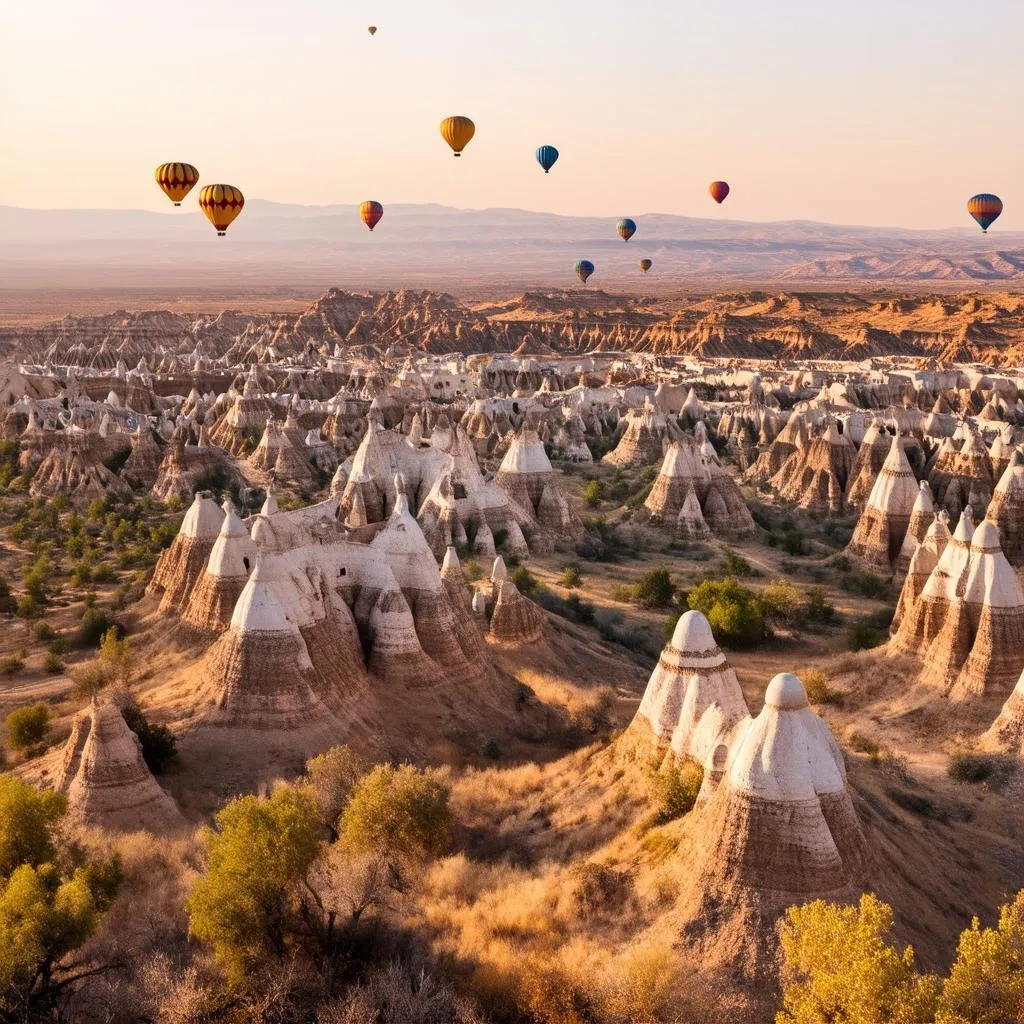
[[278, 244]]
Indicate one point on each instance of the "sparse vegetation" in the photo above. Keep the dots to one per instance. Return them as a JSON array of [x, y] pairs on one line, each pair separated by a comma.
[[571, 576], [27, 726], [655, 589], [734, 612], [593, 493]]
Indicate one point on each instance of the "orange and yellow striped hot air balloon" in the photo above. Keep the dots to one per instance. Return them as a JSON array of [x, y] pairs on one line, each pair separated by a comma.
[[457, 132], [985, 209], [176, 180], [371, 212], [221, 204]]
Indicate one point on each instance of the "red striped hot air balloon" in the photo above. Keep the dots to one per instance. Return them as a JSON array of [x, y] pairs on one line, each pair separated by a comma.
[[371, 212], [719, 190]]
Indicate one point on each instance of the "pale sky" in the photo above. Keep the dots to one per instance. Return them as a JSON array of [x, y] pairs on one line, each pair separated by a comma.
[[850, 111]]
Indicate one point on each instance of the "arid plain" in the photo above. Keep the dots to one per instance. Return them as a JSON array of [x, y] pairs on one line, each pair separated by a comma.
[[533, 651]]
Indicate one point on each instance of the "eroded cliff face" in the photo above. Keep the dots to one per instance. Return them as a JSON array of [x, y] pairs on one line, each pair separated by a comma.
[[964, 327]]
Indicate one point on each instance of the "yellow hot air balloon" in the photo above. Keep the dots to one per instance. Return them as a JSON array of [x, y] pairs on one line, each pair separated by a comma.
[[372, 30], [176, 180], [457, 132], [221, 204]]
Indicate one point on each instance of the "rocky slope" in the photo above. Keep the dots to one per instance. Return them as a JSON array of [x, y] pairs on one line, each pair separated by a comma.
[[964, 327]]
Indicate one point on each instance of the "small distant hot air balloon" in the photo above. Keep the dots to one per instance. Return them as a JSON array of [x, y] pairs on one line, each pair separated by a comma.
[[457, 132], [372, 30], [584, 268], [626, 228], [985, 209], [221, 204], [371, 212], [719, 190], [176, 180], [546, 157], [646, 265]]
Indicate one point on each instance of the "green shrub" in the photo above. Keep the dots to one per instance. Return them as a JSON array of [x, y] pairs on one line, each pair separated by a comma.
[[95, 625], [818, 608], [863, 636], [794, 542], [525, 581], [783, 603], [736, 565], [159, 746], [7, 602], [655, 589], [975, 768], [675, 788], [734, 612], [400, 812], [44, 632], [53, 664], [864, 745], [816, 685], [26, 726], [866, 584], [571, 576], [11, 665], [593, 493]]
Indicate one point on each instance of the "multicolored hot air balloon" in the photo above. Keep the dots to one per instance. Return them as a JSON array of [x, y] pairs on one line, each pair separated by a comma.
[[985, 209], [176, 180], [221, 204], [371, 212], [646, 265], [626, 228], [719, 190], [584, 268], [372, 30], [457, 132], [546, 157]]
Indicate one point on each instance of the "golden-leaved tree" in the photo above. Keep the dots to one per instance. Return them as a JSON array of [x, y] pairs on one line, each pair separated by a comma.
[[839, 967]]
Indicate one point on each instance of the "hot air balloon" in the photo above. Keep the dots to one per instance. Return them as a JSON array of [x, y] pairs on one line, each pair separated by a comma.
[[221, 204], [372, 30], [626, 228], [985, 209], [719, 190], [371, 212], [584, 268], [176, 180], [457, 132], [546, 157], [646, 265]]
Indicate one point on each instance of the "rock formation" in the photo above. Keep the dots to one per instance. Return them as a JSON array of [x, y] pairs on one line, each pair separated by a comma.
[[693, 702], [882, 526], [779, 830], [105, 779]]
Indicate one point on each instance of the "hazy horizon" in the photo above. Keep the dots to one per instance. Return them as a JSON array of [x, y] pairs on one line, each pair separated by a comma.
[[864, 113]]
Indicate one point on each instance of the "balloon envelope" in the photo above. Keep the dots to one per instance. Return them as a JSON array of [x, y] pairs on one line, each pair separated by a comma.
[[584, 268], [626, 228], [176, 180], [985, 209], [221, 204], [646, 265], [719, 190], [372, 30], [457, 132], [371, 212], [546, 157]]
